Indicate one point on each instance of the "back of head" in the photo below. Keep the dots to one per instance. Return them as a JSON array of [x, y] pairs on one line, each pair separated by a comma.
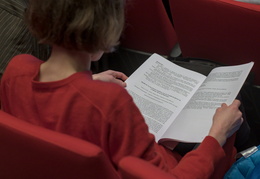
[[89, 25]]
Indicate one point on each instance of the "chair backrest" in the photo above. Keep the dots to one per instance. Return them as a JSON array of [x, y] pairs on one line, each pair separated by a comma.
[[135, 168], [32, 152], [148, 27], [226, 31]]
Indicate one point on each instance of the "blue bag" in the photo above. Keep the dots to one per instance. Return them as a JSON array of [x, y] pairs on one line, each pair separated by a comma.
[[247, 167]]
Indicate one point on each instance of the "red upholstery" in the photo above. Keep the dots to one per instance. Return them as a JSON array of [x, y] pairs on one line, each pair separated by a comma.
[[32, 152], [148, 27], [226, 31], [135, 168]]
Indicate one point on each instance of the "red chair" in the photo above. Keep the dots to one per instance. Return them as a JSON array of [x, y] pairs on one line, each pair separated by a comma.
[[135, 168], [148, 27], [226, 31], [32, 152]]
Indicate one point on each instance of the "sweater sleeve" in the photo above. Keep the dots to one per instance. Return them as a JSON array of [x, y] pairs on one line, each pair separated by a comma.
[[200, 163], [129, 136], [209, 160]]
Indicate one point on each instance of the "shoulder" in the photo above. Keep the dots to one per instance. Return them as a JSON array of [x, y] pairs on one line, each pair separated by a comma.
[[22, 65], [106, 89], [103, 94], [24, 61]]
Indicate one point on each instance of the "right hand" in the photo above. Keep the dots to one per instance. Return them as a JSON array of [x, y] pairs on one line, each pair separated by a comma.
[[111, 76], [226, 121]]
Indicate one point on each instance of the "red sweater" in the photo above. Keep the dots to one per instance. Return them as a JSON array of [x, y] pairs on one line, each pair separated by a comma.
[[101, 113]]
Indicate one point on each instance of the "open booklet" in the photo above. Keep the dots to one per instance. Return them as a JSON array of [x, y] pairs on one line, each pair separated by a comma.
[[178, 104]]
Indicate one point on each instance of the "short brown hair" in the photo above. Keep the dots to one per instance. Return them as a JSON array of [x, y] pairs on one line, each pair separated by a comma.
[[90, 25]]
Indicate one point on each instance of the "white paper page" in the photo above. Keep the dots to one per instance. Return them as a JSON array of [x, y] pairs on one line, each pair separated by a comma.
[[161, 89], [221, 86]]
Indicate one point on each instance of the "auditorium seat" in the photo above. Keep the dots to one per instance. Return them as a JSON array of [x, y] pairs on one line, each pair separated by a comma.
[[32, 152], [148, 27], [225, 31]]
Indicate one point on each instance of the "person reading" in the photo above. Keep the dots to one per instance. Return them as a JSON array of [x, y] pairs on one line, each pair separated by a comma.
[[60, 94]]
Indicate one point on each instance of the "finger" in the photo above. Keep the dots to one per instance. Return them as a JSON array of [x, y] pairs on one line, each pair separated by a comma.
[[236, 103], [120, 75], [119, 82], [223, 105]]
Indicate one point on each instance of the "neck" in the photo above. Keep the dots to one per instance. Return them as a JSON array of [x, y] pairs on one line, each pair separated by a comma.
[[63, 63]]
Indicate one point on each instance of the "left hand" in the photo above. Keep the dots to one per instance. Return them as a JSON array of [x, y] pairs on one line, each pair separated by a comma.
[[111, 76], [226, 121]]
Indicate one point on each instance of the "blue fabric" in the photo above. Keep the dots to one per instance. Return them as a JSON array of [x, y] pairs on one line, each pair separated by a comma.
[[245, 168], [256, 172]]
